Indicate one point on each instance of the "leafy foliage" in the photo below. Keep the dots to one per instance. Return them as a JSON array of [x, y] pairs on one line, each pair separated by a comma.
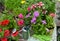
[[14, 7], [42, 37]]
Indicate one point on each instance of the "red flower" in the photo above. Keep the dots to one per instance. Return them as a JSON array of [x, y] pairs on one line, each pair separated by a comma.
[[20, 22], [29, 9], [15, 34], [0, 30], [5, 22], [3, 39], [52, 14], [6, 33]]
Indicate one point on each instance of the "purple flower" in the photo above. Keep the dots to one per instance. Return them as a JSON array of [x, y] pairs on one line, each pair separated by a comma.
[[28, 15], [44, 21], [36, 14], [33, 20]]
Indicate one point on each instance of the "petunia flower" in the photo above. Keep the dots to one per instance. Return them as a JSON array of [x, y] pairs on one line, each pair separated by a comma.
[[28, 15], [6, 33], [40, 3], [0, 30], [15, 34], [36, 14], [20, 15], [52, 15], [5, 22], [33, 20], [43, 21], [4, 39], [33, 6], [29, 9], [37, 4], [21, 22]]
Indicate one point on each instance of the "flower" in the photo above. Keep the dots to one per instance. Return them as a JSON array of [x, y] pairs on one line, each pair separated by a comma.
[[52, 14], [43, 21], [33, 20], [40, 4], [6, 33], [33, 6], [28, 15], [15, 34], [36, 14], [5, 22], [29, 9], [20, 15], [20, 22], [37, 4], [23, 1], [0, 30], [4, 39]]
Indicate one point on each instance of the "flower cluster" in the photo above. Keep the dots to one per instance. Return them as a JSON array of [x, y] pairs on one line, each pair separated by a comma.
[[40, 4], [6, 32], [40, 17], [37, 16], [20, 22]]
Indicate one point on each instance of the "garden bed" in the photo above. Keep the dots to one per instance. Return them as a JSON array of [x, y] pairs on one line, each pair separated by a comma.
[[22, 19]]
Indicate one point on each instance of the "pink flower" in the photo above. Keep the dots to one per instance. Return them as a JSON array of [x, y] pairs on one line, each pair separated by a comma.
[[29, 9], [33, 6], [28, 15], [40, 4], [52, 14], [20, 16]]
